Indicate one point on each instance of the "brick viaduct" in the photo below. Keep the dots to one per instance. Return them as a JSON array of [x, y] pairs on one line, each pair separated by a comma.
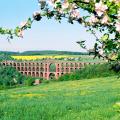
[[44, 68]]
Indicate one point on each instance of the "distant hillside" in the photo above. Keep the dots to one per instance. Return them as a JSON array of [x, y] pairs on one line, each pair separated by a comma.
[[43, 52], [9, 53]]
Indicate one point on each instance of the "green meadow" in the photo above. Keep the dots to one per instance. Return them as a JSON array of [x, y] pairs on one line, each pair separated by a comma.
[[88, 99]]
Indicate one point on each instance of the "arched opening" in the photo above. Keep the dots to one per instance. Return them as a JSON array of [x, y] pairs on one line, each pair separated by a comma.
[[25, 68], [22, 64], [57, 74], [18, 68], [71, 70], [33, 64], [41, 69], [62, 73], [37, 74], [80, 65], [29, 69], [10, 64], [37, 69], [71, 65], [22, 68], [41, 65], [29, 73], [26, 64], [41, 74], [37, 64], [51, 76], [67, 70], [25, 73], [58, 70], [29, 64], [45, 75], [3, 63], [62, 65], [14, 64], [18, 64], [76, 69], [33, 68], [52, 67], [33, 74], [76, 65], [7, 64], [67, 65], [62, 69]]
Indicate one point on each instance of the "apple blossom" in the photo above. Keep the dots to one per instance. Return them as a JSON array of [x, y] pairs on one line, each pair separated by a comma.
[[23, 24], [75, 14], [73, 6], [101, 51], [100, 8], [105, 20], [93, 19], [51, 2], [87, 1], [65, 5], [118, 15], [117, 25], [20, 33]]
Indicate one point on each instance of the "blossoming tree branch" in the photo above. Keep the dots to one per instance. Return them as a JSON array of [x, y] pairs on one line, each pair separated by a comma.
[[102, 15]]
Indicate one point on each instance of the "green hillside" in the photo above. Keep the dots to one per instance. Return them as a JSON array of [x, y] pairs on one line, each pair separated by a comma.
[[47, 52], [93, 99], [43, 52]]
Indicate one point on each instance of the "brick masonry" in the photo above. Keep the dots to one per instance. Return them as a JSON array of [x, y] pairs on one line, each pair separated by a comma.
[[42, 68]]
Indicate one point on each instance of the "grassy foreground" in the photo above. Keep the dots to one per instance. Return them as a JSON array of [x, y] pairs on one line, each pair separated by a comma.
[[92, 99]]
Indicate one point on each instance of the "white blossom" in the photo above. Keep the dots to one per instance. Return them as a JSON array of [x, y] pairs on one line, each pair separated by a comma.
[[100, 8], [118, 15], [22, 24], [93, 19], [20, 33], [105, 20], [65, 5], [117, 25], [75, 13], [87, 1]]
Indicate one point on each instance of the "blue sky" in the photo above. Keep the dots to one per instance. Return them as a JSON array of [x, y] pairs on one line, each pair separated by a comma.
[[44, 35]]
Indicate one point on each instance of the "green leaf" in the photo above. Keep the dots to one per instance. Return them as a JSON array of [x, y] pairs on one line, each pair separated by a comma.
[[105, 37], [82, 44], [29, 23], [16, 31]]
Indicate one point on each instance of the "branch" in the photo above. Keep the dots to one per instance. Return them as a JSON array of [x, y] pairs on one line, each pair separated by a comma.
[[76, 1]]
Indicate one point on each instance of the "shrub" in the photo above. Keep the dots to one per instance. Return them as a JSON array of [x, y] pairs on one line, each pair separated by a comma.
[[10, 77], [91, 71], [29, 81]]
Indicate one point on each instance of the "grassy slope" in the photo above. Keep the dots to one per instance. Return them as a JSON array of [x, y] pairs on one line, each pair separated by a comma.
[[91, 99]]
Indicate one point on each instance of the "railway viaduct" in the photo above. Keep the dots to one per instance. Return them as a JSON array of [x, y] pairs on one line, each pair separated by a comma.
[[46, 68]]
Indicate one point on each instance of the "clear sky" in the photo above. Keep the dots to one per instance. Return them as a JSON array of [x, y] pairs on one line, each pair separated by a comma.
[[44, 35]]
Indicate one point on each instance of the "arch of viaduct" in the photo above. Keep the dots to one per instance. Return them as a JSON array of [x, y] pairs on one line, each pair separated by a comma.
[[42, 68]]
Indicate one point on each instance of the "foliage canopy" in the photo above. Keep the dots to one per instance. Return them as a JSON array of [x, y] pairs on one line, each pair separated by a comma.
[[102, 15]]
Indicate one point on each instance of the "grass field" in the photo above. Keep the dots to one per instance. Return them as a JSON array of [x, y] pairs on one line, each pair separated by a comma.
[[92, 99]]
